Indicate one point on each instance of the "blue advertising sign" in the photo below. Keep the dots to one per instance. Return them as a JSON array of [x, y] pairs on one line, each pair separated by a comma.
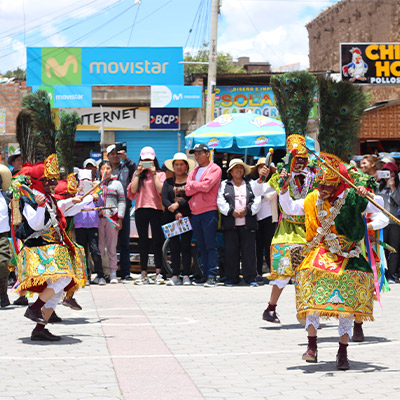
[[68, 96], [161, 118], [96, 155], [176, 96], [101, 66]]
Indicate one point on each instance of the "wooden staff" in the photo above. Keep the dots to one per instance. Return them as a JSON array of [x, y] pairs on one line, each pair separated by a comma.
[[351, 184], [90, 191], [98, 208]]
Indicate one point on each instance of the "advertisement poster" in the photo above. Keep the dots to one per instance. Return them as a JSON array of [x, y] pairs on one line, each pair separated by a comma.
[[164, 118], [257, 99], [370, 63], [104, 66], [176, 96], [177, 227]]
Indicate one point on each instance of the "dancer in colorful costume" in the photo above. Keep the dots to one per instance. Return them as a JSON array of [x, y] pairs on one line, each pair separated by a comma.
[[294, 94], [334, 280], [48, 263]]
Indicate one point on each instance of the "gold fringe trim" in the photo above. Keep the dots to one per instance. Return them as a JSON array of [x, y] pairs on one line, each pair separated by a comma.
[[301, 315], [30, 283]]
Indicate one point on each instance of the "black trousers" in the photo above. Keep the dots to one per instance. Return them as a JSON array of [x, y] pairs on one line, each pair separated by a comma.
[[89, 238], [240, 243], [144, 217], [391, 235], [181, 244], [123, 242], [264, 235]]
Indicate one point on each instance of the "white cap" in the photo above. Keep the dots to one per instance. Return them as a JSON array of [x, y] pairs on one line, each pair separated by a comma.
[[89, 161], [110, 148]]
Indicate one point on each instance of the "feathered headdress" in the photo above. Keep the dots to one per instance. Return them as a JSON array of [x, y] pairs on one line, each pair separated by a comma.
[[341, 105], [294, 97]]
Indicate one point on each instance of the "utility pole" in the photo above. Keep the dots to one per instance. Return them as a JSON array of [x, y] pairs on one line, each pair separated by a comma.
[[212, 59]]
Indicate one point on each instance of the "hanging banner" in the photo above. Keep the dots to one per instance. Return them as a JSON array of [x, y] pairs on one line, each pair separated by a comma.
[[176, 96], [124, 66], [257, 99], [370, 63], [133, 118], [68, 96]]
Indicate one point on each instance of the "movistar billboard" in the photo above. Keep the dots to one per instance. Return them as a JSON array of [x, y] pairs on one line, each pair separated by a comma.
[[104, 66]]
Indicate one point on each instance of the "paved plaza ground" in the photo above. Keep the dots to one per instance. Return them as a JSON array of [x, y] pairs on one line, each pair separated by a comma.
[[159, 342]]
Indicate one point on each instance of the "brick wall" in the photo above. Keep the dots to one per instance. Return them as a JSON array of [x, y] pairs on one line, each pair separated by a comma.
[[350, 21], [10, 99]]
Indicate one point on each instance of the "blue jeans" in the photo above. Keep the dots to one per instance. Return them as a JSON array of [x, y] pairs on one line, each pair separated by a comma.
[[205, 227]]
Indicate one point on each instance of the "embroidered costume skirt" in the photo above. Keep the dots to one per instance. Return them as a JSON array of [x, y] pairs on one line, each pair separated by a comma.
[[37, 264], [331, 286], [287, 247]]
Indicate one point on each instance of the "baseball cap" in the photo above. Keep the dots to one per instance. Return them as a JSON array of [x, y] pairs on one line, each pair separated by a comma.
[[13, 156], [89, 161], [199, 147], [147, 153], [110, 148]]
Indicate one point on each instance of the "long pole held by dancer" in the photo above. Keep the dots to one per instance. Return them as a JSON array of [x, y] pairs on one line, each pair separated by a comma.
[[351, 184], [90, 191]]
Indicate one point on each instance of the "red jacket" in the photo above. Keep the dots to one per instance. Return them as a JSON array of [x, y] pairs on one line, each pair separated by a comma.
[[204, 193]]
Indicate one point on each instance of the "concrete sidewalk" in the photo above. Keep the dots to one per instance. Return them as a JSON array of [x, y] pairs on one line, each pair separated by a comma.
[[158, 342]]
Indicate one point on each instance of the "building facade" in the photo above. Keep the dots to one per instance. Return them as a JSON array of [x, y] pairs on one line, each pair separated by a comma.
[[357, 22]]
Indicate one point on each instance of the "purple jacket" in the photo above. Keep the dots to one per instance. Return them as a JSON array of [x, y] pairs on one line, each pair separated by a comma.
[[88, 219]]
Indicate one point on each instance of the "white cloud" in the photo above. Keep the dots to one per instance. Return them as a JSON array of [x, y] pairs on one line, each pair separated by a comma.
[[267, 31]]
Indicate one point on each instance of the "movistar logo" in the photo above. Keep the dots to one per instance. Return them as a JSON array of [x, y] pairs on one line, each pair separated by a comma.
[[61, 66], [177, 96], [61, 70]]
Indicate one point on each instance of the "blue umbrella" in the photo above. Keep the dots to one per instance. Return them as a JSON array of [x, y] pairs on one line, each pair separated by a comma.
[[236, 132]]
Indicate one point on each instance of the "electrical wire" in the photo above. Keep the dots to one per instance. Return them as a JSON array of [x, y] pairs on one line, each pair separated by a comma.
[[259, 33], [134, 22], [138, 22]]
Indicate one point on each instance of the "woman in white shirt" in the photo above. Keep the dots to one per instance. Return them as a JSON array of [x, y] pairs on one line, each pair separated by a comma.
[[239, 206], [267, 216]]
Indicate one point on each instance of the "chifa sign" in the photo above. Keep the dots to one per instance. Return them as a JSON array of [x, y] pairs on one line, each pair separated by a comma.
[[370, 63]]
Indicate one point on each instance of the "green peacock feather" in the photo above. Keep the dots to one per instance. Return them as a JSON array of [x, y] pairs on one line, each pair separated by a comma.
[[294, 97], [42, 130], [341, 105], [65, 140]]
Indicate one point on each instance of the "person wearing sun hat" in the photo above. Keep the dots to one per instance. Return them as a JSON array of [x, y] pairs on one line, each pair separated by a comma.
[[202, 186], [239, 206], [176, 204]]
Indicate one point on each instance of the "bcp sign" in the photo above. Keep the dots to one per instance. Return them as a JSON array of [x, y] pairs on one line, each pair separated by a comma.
[[164, 118]]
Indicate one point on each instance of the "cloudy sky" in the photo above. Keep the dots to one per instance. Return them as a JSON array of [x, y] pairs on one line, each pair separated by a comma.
[[263, 30]]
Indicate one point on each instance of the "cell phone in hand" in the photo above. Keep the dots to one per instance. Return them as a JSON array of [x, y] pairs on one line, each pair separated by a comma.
[[383, 174], [147, 164], [120, 146]]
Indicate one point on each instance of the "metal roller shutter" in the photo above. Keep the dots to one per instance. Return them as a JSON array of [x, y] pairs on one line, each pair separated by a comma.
[[165, 143]]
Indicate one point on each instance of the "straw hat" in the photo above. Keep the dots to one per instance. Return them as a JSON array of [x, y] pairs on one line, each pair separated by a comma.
[[238, 161], [5, 177], [261, 161], [180, 156]]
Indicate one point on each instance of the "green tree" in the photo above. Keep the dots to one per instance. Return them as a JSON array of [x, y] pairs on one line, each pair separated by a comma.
[[17, 73], [225, 65]]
